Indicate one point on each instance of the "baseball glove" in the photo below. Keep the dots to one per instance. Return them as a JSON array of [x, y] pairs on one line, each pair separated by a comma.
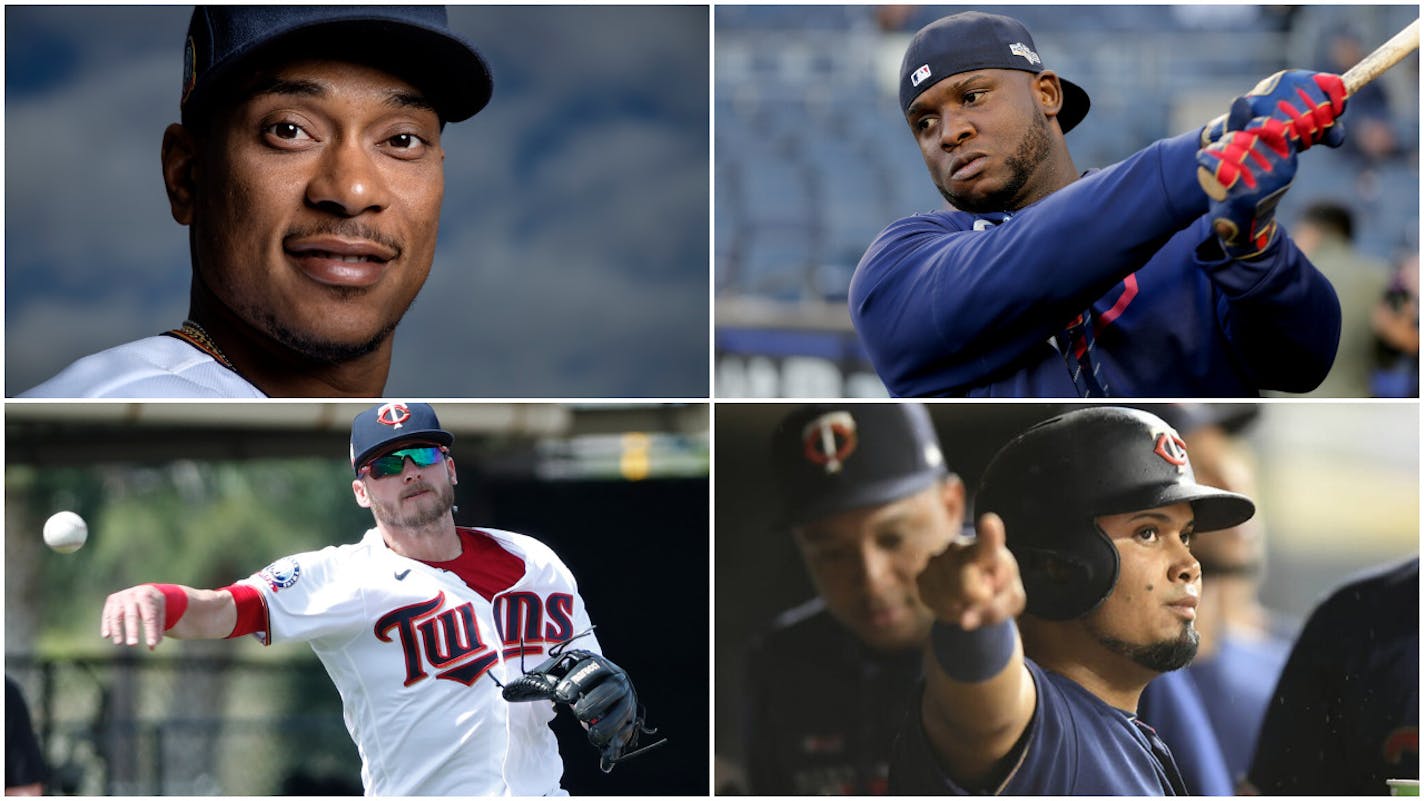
[[601, 696]]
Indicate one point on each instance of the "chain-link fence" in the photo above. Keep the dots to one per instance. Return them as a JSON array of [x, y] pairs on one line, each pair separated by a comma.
[[142, 724]]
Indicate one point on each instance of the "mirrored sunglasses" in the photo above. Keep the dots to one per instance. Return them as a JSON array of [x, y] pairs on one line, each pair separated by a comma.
[[391, 464]]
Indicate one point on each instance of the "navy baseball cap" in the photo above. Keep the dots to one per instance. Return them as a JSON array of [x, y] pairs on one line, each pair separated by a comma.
[[973, 40], [834, 458], [380, 427], [413, 41]]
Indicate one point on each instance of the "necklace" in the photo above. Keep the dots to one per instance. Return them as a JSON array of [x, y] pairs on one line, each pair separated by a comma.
[[198, 337]]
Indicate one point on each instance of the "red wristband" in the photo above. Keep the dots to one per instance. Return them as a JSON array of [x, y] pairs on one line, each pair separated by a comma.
[[175, 603], [251, 611]]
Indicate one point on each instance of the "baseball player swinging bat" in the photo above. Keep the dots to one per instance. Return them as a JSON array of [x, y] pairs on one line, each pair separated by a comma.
[[1369, 68]]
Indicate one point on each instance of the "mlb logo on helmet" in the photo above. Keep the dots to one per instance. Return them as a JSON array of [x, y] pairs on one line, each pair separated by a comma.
[[920, 75], [829, 440]]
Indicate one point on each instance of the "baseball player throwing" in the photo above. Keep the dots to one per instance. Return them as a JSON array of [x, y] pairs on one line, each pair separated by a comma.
[[1086, 526], [420, 625], [1126, 281]]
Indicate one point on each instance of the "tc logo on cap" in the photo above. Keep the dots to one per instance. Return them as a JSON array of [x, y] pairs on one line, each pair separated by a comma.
[[920, 75], [829, 440], [393, 414], [1171, 448], [1021, 49]]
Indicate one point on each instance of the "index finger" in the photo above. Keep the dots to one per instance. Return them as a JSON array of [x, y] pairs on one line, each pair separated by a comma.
[[990, 537]]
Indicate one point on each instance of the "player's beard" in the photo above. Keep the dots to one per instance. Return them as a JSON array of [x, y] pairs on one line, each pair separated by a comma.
[[1034, 150], [1161, 656], [313, 347], [422, 513]]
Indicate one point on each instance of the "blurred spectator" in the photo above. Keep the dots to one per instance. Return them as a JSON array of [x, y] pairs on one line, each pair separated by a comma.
[[1345, 715], [24, 763], [1396, 326], [1369, 124], [1325, 233]]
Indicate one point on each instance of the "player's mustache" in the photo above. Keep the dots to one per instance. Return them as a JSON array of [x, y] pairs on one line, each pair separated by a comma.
[[347, 229], [416, 488]]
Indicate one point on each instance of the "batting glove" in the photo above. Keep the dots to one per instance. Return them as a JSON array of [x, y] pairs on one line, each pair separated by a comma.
[[1256, 167], [1308, 103]]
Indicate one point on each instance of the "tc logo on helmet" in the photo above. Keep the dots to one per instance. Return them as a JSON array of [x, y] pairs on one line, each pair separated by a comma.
[[393, 414], [829, 440], [1171, 448]]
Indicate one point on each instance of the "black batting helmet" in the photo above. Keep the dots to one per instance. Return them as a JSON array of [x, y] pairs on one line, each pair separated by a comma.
[[1050, 483]]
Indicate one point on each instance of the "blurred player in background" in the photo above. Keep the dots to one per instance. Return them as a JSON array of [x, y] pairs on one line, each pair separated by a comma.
[[1243, 644], [1127, 281], [868, 498], [309, 171], [25, 771], [1096, 510], [1345, 716], [419, 625]]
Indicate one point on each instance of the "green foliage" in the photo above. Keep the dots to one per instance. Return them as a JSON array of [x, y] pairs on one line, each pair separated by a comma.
[[204, 524]]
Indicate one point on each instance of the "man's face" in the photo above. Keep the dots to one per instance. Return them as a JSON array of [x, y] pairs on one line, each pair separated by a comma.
[[1220, 462], [1150, 615], [316, 205], [985, 137], [417, 496], [864, 563]]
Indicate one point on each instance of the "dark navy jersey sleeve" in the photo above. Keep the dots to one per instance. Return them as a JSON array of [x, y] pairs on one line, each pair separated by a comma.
[[24, 760], [1345, 716], [949, 303], [1075, 744]]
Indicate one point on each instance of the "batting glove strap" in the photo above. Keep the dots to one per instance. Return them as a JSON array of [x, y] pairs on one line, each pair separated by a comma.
[[1256, 167], [1309, 104]]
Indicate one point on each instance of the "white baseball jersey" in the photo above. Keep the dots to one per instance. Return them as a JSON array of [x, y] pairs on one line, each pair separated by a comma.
[[153, 367], [414, 650]]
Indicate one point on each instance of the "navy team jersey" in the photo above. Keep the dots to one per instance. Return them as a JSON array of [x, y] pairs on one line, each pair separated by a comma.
[[822, 710], [1075, 744], [956, 304], [1345, 716]]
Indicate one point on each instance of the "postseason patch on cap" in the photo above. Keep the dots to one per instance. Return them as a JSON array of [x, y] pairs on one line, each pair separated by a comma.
[[920, 75], [1021, 49]]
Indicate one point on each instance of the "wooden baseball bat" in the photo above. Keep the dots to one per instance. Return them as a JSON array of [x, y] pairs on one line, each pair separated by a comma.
[[1369, 68]]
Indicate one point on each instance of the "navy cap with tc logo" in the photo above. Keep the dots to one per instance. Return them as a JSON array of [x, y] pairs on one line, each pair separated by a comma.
[[379, 427], [834, 458]]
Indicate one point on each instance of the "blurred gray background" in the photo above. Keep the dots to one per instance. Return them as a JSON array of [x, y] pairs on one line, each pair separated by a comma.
[[573, 251]]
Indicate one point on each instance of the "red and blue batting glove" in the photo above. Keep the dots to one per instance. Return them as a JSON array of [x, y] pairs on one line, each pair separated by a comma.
[[1308, 103], [1256, 166]]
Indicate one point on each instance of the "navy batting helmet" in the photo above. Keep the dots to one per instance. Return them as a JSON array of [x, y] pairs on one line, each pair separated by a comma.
[[1050, 483]]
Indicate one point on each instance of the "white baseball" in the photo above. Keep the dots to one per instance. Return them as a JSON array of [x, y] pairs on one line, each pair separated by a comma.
[[65, 532]]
